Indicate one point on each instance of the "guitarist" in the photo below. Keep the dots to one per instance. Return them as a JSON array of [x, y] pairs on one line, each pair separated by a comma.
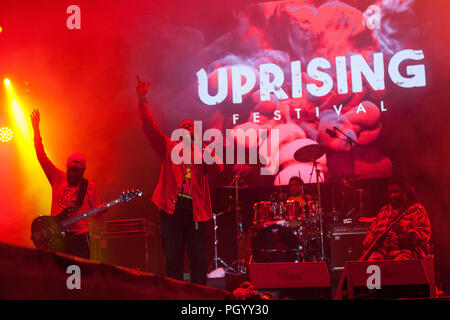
[[69, 191], [406, 239]]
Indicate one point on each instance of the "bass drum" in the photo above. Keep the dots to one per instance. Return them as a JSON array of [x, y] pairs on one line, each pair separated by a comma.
[[276, 244]]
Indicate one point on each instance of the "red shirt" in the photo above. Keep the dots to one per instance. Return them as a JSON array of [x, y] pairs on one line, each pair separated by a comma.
[[64, 195], [171, 176], [408, 238]]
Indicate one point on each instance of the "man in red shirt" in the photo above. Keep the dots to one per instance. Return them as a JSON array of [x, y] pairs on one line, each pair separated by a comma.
[[409, 237], [65, 189], [182, 196]]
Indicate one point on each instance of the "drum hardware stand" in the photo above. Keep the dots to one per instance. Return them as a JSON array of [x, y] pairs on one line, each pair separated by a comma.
[[311, 153], [217, 259], [240, 265], [333, 200], [319, 209], [320, 212]]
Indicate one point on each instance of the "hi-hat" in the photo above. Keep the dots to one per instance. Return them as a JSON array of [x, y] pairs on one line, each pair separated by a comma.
[[309, 153], [232, 187]]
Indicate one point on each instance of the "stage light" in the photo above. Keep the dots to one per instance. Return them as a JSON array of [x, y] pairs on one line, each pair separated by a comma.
[[28, 174], [1, 29], [18, 115], [6, 134], [31, 174]]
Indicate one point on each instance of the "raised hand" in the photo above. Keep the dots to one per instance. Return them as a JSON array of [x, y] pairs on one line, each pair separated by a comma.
[[35, 119], [141, 88]]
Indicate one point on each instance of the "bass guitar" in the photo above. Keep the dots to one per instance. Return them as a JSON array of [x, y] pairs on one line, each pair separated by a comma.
[[48, 230], [377, 242]]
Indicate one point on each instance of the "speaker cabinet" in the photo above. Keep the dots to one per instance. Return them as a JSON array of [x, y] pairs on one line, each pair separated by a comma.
[[401, 279], [124, 242], [345, 245], [295, 280]]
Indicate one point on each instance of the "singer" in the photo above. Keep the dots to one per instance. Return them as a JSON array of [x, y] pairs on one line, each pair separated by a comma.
[[182, 196]]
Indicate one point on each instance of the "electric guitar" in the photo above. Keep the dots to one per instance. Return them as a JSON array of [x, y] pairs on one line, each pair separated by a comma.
[[47, 230]]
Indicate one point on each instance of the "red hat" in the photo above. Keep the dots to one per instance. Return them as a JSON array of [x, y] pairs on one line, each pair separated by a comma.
[[76, 160]]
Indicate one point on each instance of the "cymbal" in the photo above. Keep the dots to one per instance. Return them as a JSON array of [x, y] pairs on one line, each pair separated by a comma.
[[309, 153], [232, 187]]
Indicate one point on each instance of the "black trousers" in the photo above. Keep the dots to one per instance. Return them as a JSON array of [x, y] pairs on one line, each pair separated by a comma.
[[77, 245], [178, 231]]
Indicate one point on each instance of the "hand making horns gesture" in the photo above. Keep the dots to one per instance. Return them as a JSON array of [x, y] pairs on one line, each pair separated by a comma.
[[142, 88]]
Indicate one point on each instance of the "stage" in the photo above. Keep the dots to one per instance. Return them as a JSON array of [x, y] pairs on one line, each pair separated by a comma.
[[30, 274], [33, 274], [288, 149]]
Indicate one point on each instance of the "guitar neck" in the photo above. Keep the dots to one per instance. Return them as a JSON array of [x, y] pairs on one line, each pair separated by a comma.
[[67, 223]]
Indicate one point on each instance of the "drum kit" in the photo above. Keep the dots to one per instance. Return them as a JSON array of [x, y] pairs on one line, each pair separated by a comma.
[[282, 229], [285, 231]]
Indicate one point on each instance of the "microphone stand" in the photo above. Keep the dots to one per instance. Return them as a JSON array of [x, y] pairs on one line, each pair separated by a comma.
[[351, 142]]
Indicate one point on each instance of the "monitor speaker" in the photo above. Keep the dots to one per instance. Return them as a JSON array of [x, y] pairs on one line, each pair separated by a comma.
[[387, 279], [294, 280]]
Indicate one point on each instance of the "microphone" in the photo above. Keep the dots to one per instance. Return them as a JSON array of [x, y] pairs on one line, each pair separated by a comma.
[[331, 133]]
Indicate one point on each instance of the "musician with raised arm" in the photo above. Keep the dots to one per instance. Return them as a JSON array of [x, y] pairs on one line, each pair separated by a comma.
[[182, 196], [69, 191], [401, 230]]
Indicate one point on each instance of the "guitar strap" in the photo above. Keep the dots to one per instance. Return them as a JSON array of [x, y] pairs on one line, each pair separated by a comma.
[[65, 214], [81, 194]]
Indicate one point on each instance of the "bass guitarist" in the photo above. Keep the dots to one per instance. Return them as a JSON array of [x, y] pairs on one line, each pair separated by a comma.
[[71, 193], [401, 230]]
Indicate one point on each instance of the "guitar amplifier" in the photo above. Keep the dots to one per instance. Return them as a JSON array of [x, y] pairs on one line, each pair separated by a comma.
[[346, 243], [123, 242]]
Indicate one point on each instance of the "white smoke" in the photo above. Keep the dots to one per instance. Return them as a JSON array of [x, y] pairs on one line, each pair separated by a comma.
[[395, 28]]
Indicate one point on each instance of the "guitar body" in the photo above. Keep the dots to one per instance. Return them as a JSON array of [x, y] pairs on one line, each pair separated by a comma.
[[48, 233]]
